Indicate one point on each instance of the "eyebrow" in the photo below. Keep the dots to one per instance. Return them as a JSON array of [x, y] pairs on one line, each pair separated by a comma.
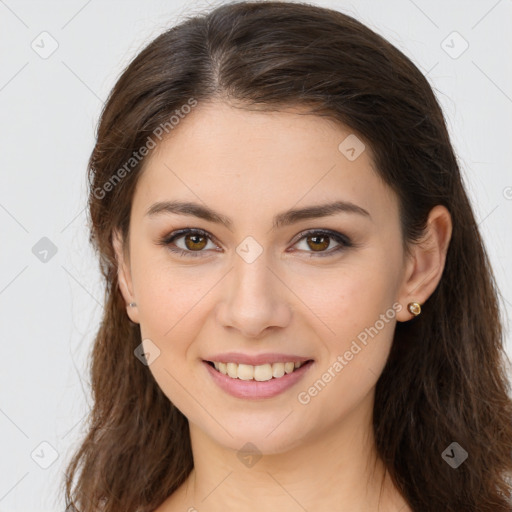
[[285, 218]]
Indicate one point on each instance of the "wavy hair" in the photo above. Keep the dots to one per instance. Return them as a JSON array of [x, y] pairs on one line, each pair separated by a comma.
[[445, 377]]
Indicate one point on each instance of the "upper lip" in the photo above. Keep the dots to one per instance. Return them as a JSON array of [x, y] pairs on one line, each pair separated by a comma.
[[255, 360]]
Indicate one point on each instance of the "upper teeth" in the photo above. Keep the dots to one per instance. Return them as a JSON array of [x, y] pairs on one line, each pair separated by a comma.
[[259, 373]]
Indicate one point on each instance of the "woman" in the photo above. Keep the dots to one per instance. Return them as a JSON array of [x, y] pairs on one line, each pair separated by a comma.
[[300, 312]]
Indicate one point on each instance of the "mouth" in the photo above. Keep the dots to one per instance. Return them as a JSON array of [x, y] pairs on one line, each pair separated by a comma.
[[259, 373]]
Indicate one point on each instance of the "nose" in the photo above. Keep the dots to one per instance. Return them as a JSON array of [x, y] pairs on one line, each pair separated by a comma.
[[254, 298]]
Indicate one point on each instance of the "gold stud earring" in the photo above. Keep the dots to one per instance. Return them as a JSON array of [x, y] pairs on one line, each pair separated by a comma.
[[414, 308]]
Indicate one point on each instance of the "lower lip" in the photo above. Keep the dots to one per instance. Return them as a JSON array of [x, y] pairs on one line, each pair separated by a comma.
[[255, 389]]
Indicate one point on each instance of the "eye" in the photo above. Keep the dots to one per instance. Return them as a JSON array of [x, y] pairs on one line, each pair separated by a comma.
[[194, 241], [319, 240]]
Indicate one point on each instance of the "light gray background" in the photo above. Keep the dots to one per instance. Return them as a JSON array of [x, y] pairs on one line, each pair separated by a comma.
[[49, 108]]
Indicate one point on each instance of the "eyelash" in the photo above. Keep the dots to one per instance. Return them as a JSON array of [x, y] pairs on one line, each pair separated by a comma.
[[343, 240]]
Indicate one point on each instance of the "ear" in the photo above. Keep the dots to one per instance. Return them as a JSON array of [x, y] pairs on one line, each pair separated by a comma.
[[425, 265], [124, 276]]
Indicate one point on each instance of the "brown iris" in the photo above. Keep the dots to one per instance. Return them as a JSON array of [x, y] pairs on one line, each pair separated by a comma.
[[318, 246], [198, 241]]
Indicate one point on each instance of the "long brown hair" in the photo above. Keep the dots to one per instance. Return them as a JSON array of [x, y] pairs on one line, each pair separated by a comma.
[[444, 380]]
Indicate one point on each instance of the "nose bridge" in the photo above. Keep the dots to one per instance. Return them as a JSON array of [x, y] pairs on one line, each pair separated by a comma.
[[254, 300], [253, 281]]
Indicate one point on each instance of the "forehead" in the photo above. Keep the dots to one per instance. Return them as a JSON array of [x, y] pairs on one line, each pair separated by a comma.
[[254, 161]]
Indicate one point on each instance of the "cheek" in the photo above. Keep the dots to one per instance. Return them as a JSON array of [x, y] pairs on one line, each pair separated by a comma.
[[358, 309], [171, 315], [166, 295], [355, 305], [350, 297]]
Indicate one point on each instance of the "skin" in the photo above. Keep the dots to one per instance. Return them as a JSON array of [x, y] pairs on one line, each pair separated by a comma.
[[249, 166]]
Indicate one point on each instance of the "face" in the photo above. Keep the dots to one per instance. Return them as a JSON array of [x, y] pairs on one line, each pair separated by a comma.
[[253, 282]]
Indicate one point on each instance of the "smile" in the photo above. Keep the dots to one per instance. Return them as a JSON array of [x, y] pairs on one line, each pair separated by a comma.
[[256, 382], [258, 373]]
